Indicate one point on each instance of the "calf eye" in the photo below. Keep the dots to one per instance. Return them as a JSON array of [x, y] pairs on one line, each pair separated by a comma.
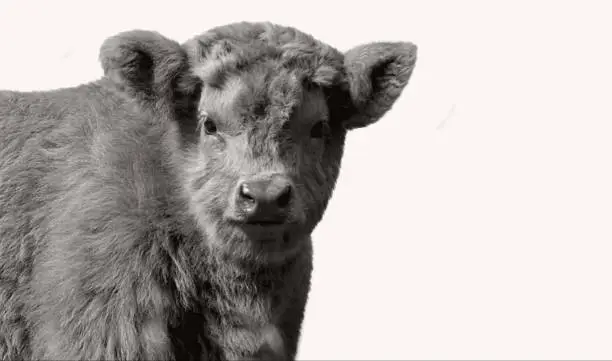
[[209, 125], [319, 130]]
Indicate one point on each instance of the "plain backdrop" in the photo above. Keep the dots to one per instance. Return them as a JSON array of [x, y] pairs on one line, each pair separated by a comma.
[[474, 220]]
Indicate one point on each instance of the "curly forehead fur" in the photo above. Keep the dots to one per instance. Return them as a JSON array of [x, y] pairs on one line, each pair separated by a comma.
[[236, 47], [287, 59]]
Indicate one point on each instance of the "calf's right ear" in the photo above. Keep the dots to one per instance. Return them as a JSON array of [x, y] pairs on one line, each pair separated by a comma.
[[146, 65]]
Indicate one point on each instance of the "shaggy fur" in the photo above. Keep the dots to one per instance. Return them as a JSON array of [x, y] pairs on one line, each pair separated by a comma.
[[119, 232]]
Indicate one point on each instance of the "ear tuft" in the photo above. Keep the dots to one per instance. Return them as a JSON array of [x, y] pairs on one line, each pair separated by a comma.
[[377, 74], [143, 63]]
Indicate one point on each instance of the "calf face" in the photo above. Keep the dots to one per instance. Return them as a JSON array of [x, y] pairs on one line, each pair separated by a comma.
[[274, 110]]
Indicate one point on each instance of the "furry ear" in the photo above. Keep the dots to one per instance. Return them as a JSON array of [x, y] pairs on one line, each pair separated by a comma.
[[377, 74], [145, 64]]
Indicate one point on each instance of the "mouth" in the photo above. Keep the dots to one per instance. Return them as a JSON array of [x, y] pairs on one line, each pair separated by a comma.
[[270, 223], [266, 231]]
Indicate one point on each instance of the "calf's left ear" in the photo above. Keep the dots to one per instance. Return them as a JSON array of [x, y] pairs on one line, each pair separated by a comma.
[[377, 74]]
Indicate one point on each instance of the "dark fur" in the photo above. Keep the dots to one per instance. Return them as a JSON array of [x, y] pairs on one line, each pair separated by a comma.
[[114, 238]]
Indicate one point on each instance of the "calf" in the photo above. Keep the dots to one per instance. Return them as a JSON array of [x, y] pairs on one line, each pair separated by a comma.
[[164, 211]]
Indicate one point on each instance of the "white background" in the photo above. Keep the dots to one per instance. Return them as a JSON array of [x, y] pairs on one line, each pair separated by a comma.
[[474, 220]]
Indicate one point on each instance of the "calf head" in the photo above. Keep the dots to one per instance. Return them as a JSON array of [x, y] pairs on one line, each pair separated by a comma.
[[274, 109]]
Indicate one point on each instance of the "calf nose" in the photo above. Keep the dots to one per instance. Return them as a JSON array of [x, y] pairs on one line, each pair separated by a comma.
[[265, 200]]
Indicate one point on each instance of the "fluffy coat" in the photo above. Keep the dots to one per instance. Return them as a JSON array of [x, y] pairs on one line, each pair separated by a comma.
[[115, 204]]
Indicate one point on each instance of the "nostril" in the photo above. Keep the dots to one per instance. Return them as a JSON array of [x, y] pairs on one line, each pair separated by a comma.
[[285, 197]]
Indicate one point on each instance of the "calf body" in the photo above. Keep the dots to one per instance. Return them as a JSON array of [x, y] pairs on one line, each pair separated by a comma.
[[164, 212]]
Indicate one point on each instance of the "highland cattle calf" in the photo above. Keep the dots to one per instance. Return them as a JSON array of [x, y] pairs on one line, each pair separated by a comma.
[[164, 211]]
